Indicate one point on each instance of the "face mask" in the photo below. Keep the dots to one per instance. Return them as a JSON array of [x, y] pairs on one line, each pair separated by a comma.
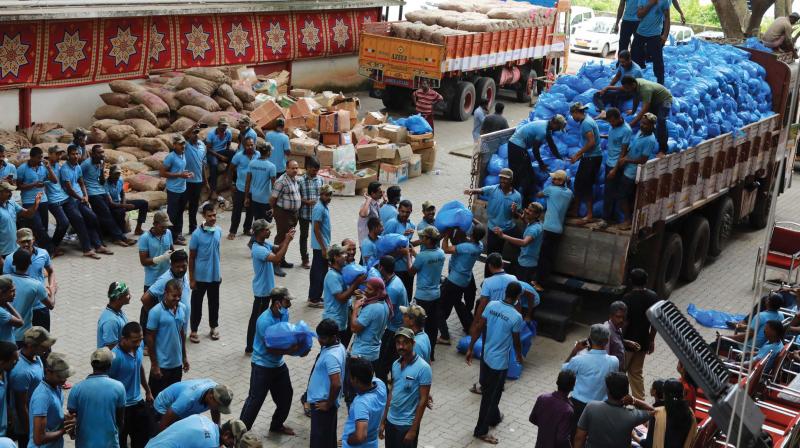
[[208, 228]]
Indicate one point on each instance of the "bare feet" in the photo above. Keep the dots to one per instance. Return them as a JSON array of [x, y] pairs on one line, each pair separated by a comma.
[[121, 243], [284, 430], [57, 252], [231, 236], [130, 241], [489, 439]]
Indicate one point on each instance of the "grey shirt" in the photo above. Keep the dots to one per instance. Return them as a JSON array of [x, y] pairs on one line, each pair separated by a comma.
[[609, 424]]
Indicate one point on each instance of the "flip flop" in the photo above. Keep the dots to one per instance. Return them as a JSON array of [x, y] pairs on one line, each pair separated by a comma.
[[231, 237], [103, 250], [488, 439], [194, 338], [214, 334], [474, 389], [442, 341], [92, 255]]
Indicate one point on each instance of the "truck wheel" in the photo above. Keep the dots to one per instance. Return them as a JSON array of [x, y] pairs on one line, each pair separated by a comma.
[[669, 265], [392, 98], [696, 233], [721, 221], [527, 86], [485, 88], [760, 214], [463, 101]]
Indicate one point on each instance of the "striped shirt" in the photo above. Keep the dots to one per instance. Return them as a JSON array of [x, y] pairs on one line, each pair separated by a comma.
[[425, 101], [286, 193], [309, 190]]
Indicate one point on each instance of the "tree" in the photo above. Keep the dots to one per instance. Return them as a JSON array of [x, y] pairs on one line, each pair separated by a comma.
[[736, 21]]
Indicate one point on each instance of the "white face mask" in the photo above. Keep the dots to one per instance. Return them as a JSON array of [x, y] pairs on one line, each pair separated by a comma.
[[208, 228]]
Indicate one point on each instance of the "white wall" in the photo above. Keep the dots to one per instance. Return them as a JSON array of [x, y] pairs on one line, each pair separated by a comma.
[[9, 109], [337, 72], [71, 106]]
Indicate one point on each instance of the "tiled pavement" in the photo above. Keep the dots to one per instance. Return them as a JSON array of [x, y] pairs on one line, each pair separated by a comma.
[[724, 284]]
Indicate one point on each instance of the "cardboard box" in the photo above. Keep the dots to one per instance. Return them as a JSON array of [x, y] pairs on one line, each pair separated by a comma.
[[331, 122], [420, 145], [359, 138], [373, 118], [313, 134], [428, 159], [386, 151], [393, 174], [312, 121], [325, 155], [372, 131], [380, 141], [375, 165], [336, 139], [350, 105], [365, 176], [303, 108], [301, 160], [301, 93], [299, 133], [267, 114], [395, 134], [303, 146], [366, 153], [415, 166], [342, 186], [401, 154], [419, 137]]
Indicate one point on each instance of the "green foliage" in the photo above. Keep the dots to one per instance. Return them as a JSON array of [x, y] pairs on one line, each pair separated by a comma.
[[695, 12]]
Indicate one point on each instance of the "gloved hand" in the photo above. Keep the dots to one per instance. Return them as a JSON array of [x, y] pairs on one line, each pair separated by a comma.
[[163, 257]]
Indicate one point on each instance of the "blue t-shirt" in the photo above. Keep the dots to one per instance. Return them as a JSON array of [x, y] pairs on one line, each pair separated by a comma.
[[422, 346], [29, 292], [264, 275], [462, 262], [422, 225], [217, 142], [262, 172], [127, 368], [429, 264], [395, 226], [589, 125], [175, 163], [405, 390], [529, 255], [6, 329], [530, 133], [24, 378], [4, 399], [195, 160], [367, 342], [591, 368], [169, 340], [399, 296], [184, 398], [334, 309], [55, 194], [40, 260], [652, 24], [242, 163], [260, 355], [630, 11], [157, 289], [28, 175], [387, 213], [642, 145], [114, 189], [761, 320], [634, 71], [617, 138], [502, 320], [368, 249], [71, 173], [499, 206], [769, 348], [48, 402], [109, 327], [280, 147], [95, 400], [7, 169], [494, 287], [197, 431], [206, 263], [320, 214], [558, 200], [91, 177], [330, 362], [369, 407], [154, 246], [8, 227], [249, 133]]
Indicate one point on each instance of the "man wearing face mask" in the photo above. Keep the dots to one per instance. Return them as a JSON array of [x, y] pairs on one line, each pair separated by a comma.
[[95, 180], [178, 266], [205, 274]]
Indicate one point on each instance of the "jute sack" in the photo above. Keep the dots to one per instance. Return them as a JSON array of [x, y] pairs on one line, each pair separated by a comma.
[[195, 98], [155, 199], [105, 112], [103, 125], [118, 132], [116, 99], [203, 86], [138, 153], [124, 86], [143, 128], [151, 101]]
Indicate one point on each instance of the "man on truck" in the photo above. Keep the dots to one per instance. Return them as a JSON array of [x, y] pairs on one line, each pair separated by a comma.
[[651, 34], [531, 135], [591, 158], [656, 99], [779, 34], [608, 96], [424, 99]]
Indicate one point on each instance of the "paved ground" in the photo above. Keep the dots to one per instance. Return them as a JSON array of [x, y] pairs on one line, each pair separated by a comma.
[[724, 284]]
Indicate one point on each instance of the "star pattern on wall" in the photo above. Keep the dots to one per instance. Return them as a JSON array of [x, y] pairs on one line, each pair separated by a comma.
[[123, 46], [156, 43], [238, 40], [12, 55], [276, 37], [70, 51], [310, 34], [341, 33], [197, 42]]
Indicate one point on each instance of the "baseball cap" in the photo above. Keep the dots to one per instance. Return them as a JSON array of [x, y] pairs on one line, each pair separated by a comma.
[[4, 185], [24, 234], [650, 117], [577, 106], [261, 224], [560, 120], [102, 356], [236, 427], [427, 205], [507, 173], [281, 291], [223, 396], [178, 139], [55, 149], [413, 310], [326, 189], [245, 121], [38, 336], [406, 332], [249, 440], [161, 217], [223, 121], [560, 174], [57, 363], [429, 232]]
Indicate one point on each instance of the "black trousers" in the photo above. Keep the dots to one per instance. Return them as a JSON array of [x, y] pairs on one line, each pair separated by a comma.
[[62, 221], [316, 276], [612, 98], [41, 318], [278, 384], [137, 426], [494, 243], [408, 282], [192, 193], [323, 428], [38, 224], [168, 378], [388, 355], [236, 216], [119, 214], [395, 436], [524, 177], [452, 298], [102, 208], [578, 407], [260, 304], [176, 204], [492, 382], [547, 255], [626, 30], [212, 288], [260, 211], [84, 221], [649, 47], [431, 308], [611, 194], [305, 224]]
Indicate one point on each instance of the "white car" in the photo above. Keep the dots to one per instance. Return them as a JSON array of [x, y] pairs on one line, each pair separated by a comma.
[[578, 16], [679, 35], [710, 35], [596, 36]]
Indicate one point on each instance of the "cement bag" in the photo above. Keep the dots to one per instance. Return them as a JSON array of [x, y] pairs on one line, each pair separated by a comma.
[[223, 103], [167, 96], [390, 242], [151, 101], [118, 132], [181, 125], [152, 144], [453, 214], [109, 112], [97, 135], [246, 95], [155, 199], [13, 141], [284, 335], [103, 125], [195, 98], [155, 161], [131, 140], [134, 151], [124, 86], [193, 112], [142, 128], [116, 157], [139, 111], [145, 182], [212, 118], [201, 85], [214, 75], [116, 99], [133, 168]]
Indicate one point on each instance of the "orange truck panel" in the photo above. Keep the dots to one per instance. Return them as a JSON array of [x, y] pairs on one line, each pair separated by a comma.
[[400, 59]]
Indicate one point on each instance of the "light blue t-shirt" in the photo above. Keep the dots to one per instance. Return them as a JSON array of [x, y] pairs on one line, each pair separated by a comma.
[[422, 225], [367, 342], [24, 378], [8, 227], [154, 246], [242, 163], [197, 431], [114, 189], [184, 398], [4, 399], [334, 309], [261, 357], [617, 138], [91, 177], [175, 163], [387, 213], [249, 133], [634, 71], [477, 121], [771, 349], [589, 125], [652, 24], [95, 400], [217, 142], [47, 401], [157, 289], [40, 260], [7, 169], [399, 297], [494, 287], [71, 173], [331, 361], [642, 145], [405, 390], [264, 275], [320, 214], [280, 147], [127, 368], [369, 407], [195, 160], [429, 264], [502, 319], [530, 133], [28, 175], [630, 11], [462, 262], [368, 249], [422, 346], [206, 263], [29, 292], [55, 194], [761, 320], [591, 368], [5, 442], [169, 340], [109, 327], [499, 206], [558, 200], [529, 255], [6, 329], [395, 226], [262, 173]]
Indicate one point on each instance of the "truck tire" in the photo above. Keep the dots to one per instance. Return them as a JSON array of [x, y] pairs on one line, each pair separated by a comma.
[[485, 88], [392, 98], [760, 215], [669, 265], [526, 86], [696, 234], [463, 101], [721, 221]]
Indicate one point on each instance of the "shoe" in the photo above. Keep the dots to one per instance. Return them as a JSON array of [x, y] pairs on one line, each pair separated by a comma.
[[279, 272], [214, 334], [287, 265], [306, 265], [316, 304]]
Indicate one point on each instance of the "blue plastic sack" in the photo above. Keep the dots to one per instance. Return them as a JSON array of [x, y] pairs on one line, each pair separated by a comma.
[[496, 164], [418, 125], [713, 318], [453, 214], [351, 271], [389, 243], [502, 151], [286, 334]]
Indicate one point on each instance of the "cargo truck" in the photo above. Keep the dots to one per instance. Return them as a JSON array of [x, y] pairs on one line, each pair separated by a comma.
[[687, 204], [465, 67]]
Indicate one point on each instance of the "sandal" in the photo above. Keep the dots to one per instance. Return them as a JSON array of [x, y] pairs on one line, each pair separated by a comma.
[[488, 439], [231, 236], [103, 250], [475, 389], [214, 334], [194, 338], [92, 254]]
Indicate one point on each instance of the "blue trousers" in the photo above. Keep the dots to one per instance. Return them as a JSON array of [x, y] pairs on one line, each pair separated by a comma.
[[62, 220], [102, 210], [276, 382], [84, 221]]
